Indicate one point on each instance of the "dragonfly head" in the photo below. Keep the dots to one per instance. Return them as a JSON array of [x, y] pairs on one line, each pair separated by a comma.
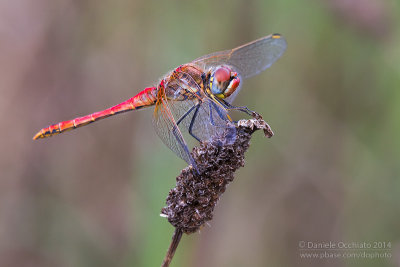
[[223, 81]]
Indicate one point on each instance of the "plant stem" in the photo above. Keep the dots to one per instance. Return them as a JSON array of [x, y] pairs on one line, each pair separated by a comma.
[[176, 238]]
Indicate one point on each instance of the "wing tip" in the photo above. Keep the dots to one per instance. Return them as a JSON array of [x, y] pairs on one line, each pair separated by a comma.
[[281, 41], [276, 36]]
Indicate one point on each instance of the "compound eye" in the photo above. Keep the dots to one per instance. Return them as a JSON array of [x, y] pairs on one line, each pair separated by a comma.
[[222, 74]]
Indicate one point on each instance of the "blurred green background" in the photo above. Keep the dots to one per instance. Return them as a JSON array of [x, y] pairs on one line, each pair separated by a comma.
[[92, 197]]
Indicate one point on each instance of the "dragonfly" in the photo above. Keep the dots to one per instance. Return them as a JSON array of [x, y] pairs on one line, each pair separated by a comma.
[[195, 98]]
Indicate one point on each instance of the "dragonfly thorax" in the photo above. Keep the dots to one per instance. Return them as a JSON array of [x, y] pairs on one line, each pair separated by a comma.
[[223, 81]]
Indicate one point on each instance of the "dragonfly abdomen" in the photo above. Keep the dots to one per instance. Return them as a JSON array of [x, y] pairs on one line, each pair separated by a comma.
[[145, 98]]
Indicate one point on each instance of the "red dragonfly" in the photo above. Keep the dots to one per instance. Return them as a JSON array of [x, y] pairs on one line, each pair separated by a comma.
[[195, 98]]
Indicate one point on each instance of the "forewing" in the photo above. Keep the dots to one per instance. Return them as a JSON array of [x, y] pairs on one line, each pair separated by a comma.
[[249, 59]]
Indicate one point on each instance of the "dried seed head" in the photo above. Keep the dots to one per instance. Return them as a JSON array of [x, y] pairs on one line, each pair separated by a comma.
[[191, 203]]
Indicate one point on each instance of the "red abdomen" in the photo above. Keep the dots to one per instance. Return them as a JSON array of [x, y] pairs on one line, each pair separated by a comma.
[[145, 98]]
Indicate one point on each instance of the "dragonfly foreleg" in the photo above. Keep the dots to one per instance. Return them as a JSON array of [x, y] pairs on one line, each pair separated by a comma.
[[231, 107]]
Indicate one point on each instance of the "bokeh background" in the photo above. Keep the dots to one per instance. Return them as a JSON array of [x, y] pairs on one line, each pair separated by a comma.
[[92, 197]]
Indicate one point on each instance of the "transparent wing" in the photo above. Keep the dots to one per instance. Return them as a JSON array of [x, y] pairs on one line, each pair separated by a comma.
[[206, 119], [249, 59], [200, 117], [165, 125]]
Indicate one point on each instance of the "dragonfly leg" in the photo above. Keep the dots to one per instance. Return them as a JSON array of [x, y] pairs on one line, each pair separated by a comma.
[[196, 108], [231, 130], [192, 122], [231, 107], [179, 137], [217, 109], [181, 142], [185, 115]]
